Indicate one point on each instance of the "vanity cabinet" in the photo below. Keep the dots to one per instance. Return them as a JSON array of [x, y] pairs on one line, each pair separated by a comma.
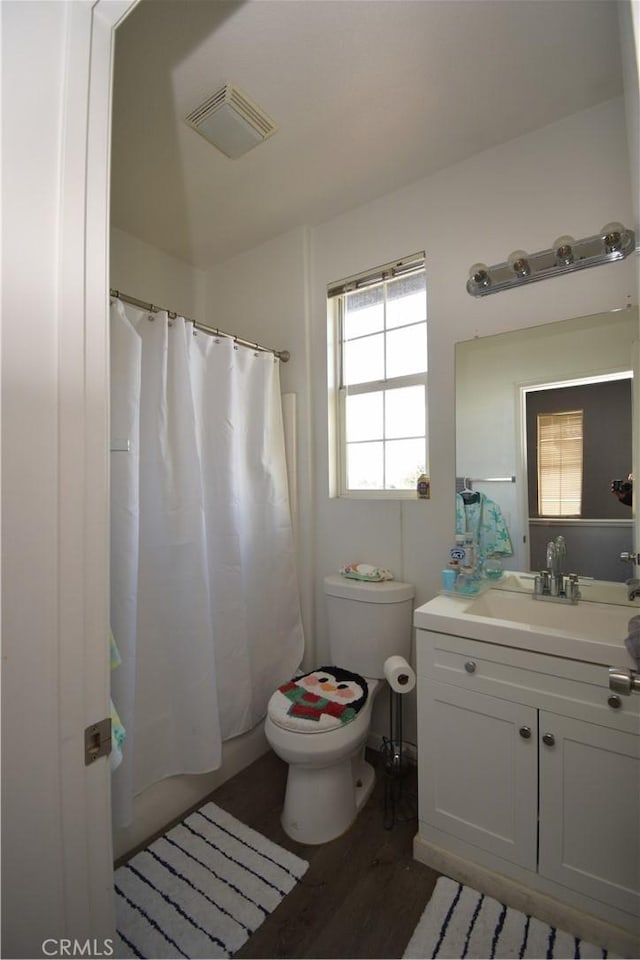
[[530, 769]]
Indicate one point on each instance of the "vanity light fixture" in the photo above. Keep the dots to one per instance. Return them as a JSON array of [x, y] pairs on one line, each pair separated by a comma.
[[614, 242]]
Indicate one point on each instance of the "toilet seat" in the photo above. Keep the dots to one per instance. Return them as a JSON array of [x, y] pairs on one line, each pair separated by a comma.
[[328, 698]]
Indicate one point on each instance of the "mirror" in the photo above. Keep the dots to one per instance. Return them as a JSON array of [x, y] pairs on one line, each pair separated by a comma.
[[497, 379]]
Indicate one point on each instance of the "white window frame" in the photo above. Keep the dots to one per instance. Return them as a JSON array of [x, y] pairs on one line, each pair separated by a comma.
[[338, 391]]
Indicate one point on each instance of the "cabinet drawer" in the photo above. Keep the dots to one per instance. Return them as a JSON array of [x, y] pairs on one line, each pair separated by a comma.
[[554, 683]]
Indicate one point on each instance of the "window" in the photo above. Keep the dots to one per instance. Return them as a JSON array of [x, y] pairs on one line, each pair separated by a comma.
[[560, 451], [381, 380]]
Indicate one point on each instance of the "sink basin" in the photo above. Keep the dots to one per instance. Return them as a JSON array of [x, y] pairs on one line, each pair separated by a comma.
[[582, 620], [593, 632]]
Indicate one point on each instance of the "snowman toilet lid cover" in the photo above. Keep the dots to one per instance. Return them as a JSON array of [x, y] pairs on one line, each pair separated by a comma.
[[324, 699]]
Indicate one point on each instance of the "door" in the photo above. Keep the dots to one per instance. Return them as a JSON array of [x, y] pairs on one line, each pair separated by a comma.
[[478, 769], [589, 802], [56, 850]]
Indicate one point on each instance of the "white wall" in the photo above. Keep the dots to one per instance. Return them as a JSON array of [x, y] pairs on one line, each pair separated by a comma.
[[148, 273], [629, 20]]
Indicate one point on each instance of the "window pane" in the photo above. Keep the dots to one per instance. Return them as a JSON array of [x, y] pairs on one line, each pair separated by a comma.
[[404, 462], [364, 466], [364, 359], [404, 414], [407, 351], [364, 417], [383, 371], [560, 464], [406, 300], [363, 312]]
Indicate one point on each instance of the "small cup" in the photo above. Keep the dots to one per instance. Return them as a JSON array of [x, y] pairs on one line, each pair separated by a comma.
[[448, 579], [493, 568]]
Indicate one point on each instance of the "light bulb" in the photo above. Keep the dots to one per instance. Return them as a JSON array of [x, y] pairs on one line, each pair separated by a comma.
[[563, 248], [519, 263], [612, 235], [479, 273]]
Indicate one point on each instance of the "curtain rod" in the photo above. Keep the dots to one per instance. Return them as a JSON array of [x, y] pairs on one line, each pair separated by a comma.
[[489, 479], [282, 355]]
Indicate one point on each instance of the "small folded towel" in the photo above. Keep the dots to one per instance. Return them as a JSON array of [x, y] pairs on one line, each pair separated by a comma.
[[365, 571], [632, 642]]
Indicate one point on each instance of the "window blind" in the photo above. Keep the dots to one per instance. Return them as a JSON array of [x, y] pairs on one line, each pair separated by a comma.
[[560, 455]]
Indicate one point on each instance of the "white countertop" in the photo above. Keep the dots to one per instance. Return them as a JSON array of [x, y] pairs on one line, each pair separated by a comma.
[[588, 631]]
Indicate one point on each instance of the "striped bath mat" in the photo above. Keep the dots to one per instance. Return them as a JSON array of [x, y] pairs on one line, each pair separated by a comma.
[[202, 889], [459, 922]]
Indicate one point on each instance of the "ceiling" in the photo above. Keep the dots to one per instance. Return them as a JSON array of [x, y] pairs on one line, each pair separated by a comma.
[[368, 96]]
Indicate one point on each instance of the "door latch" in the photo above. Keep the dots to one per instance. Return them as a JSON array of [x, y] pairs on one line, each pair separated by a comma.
[[97, 741]]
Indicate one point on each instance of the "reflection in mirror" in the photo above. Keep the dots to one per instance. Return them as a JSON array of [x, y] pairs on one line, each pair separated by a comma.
[[543, 426]]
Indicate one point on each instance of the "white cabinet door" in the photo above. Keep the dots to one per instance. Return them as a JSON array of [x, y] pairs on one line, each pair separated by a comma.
[[478, 769], [590, 810]]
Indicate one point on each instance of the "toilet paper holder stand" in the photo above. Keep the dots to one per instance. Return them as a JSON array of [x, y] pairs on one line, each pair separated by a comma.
[[396, 764]]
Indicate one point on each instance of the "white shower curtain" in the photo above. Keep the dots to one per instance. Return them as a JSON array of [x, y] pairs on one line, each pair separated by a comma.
[[217, 616]]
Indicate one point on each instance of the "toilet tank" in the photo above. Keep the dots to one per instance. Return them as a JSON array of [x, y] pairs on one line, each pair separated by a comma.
[[368, 622]]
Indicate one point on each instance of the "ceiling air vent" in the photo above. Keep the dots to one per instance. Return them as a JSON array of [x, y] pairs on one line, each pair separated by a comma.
[[231, 121]]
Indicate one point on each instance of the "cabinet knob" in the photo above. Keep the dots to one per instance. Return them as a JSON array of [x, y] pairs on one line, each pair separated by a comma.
[[614, 701], [525, 732], [470, 666], [549, 739]]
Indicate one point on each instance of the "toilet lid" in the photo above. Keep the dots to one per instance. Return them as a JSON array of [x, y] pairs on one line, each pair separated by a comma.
[[324, 699]]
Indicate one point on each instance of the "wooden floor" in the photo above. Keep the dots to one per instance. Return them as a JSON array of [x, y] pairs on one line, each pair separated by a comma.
[[363, 893]]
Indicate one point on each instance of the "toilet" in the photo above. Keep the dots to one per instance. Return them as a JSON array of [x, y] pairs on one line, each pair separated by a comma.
[[319, 722]]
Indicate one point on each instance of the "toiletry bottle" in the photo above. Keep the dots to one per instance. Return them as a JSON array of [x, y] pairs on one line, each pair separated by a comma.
[[468, 564], [424, 487], [456, 554]]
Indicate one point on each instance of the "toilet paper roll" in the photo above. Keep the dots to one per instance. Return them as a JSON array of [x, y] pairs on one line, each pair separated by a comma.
[[399, 674]]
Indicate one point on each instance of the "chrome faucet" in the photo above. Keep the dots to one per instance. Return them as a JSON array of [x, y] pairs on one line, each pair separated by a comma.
[[552, 584], [633, 588], [556, 555], [552, 557]]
